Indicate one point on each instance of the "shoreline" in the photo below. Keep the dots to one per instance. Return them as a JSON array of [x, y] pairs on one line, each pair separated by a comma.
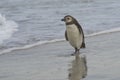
[[115, 30], [53, 61]]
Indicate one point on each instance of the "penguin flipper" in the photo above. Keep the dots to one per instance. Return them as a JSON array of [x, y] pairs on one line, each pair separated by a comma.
[[66, 35]]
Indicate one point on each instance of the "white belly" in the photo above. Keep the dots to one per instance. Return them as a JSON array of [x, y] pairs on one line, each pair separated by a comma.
[[74, 36]]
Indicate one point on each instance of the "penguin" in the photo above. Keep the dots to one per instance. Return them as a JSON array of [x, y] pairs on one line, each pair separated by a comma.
[[74, 33]]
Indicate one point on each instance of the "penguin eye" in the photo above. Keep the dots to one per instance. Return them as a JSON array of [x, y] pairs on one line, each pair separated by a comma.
[[68, 18]]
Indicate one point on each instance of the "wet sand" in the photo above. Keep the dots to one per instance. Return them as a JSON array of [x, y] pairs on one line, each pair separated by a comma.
[[99, 61]]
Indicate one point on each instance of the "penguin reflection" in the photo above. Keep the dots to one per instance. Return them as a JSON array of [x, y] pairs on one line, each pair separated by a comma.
[[79, 68]]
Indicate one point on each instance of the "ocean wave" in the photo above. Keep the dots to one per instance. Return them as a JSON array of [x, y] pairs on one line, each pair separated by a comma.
[[7, 28], [57, 40]]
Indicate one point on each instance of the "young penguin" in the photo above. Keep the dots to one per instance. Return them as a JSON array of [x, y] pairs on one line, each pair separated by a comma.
[[74, 33]]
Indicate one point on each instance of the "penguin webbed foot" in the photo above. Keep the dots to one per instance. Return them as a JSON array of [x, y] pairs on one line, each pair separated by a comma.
[[76, 52]]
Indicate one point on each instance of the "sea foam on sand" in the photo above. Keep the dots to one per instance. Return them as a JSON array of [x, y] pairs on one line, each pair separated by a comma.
[[57, 40]]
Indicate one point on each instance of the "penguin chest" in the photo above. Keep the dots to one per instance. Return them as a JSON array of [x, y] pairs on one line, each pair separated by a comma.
[[74, 36]]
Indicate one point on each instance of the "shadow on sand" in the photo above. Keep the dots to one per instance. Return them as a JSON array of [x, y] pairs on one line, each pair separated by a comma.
[[79, 68]]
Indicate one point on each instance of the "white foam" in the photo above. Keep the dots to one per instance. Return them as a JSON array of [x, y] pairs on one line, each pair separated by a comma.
[[57, 40], [104, 32], [30, 46], [7, 28]]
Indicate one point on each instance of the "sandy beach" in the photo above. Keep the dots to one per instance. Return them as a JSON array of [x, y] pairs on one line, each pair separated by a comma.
[[99, 61]]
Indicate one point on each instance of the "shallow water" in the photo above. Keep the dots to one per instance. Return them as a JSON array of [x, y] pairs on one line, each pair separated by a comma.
[[53, 61], [40, 20]]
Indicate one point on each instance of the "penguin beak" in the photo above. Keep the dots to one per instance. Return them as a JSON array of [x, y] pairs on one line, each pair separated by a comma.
[[63, 19]]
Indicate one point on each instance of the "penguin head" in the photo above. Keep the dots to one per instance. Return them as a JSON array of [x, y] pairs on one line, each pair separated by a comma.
[[69, 19]]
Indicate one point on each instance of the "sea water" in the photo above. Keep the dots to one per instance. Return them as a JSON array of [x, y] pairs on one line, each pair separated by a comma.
[[26, 23]]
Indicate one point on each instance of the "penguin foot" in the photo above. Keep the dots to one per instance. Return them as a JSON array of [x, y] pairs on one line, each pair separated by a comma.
[[75, 53]]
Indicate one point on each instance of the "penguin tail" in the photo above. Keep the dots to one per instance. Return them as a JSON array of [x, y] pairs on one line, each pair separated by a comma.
[[83, 45]]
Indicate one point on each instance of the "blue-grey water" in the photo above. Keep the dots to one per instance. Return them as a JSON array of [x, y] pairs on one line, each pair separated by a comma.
[[24, 22]]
